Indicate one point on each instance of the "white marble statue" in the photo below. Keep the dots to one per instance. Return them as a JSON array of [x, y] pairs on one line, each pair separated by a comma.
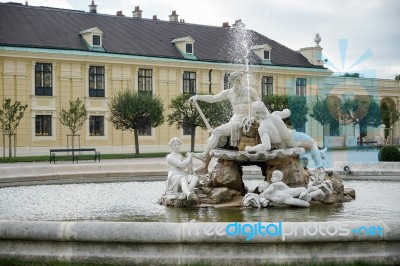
[[180, 184], [279, 192], [241, 99], [273, 130]]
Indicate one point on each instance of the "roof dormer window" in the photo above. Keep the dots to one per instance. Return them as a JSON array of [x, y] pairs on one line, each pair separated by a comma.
[[93, 38], [185, 47], [263, 52], [266, 55], [96, 40], [189, 48]]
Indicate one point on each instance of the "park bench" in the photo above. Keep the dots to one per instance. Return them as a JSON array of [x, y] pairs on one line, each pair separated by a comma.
[[74, 153], [368, 145]]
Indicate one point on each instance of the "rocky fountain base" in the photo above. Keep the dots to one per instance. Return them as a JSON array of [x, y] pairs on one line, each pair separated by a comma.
[[223, 185]]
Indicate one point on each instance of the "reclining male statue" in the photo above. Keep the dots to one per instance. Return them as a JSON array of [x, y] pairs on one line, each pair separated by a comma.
[[273, 130]]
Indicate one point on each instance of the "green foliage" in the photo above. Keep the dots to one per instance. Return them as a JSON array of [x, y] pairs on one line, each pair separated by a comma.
[[389, 153], [133, 111], [298, 109], [360, 110], [297, 105], [352, 75], [320, 111], [276, 102], [397, 77], [390, 115], [75, 117], [184, 114], [326, 112], [10, 116]]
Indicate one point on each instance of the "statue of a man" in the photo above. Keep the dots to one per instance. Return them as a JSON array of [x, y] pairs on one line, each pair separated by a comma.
[[241, 99], [273, 130], [279, 192]]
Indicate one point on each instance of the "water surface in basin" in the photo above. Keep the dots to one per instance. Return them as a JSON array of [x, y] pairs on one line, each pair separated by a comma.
[[137, 201]]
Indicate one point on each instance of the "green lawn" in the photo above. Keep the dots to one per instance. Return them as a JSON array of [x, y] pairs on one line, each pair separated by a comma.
[[45, 158]]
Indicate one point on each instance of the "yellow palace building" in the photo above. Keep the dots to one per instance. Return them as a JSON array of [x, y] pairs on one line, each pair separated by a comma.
[[49, 56]]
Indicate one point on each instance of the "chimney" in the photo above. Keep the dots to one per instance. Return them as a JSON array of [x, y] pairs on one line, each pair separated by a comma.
[[226, 25], [173, 17], [137, 13], [182, 20], [120, 14], [154, 17], [93, 8], [314, 54], [26, 3], [238, 23]]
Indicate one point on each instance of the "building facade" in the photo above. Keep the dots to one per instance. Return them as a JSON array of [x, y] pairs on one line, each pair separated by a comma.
[[50, 56]]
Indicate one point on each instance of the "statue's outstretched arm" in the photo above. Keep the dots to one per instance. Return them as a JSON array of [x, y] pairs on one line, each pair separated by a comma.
[[210, 98], [283, 114]]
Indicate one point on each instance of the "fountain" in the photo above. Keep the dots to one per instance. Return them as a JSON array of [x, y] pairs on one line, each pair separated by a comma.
[[256, 137]]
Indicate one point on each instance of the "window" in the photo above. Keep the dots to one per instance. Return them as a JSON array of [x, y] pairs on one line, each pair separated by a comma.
[[266, 86], [301, 87], [189, 82], [227, 85], [266, 55], [145, 130], [189, 48], [43, 79], [43, 125], [96, 81], [96, 126], [96, 40], [145, 81]]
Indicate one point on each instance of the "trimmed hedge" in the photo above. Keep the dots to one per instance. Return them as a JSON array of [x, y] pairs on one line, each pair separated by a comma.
[[389, 153]]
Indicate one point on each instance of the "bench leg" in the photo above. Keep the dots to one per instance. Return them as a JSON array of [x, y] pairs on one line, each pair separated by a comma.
[[96, 156], [53, 158]]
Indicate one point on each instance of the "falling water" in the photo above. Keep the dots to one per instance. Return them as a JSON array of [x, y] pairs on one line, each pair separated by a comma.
[[241, 40]]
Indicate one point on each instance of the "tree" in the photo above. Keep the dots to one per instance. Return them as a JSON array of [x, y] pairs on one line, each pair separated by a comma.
[[351, 75], [75, 116], [297, 105], [276, 102], [133, 111], [184, 114], [10, 116], [326, 112], [298, 109], [360, 110], [390, 115], [397, 77]]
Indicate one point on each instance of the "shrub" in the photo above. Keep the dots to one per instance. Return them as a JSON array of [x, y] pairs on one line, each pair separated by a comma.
[[389, 154]]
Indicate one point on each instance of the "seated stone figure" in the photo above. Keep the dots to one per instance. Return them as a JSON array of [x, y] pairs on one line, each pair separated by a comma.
[[180, 184], [273, 130], [279, 192]]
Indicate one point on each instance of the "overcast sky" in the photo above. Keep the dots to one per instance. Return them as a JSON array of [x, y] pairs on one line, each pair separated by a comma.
[[357, 35]]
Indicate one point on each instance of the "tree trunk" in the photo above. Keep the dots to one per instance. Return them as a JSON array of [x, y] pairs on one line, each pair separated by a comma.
[[361, 138], [192, 137], [9, 146], [136, 134]]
